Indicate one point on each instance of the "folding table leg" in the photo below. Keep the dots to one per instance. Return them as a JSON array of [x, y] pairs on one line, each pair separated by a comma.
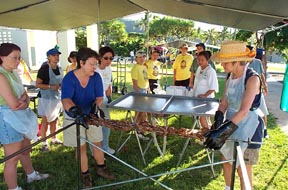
[[195, 122], [183, 151], [119, 147], [157, 144], [211, 160], [140, 148]]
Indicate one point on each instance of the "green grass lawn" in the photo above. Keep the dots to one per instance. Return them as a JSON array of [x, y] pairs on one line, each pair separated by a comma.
[[270, 174]]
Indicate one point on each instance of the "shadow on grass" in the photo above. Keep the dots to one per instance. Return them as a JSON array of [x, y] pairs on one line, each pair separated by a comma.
[[276, 173]]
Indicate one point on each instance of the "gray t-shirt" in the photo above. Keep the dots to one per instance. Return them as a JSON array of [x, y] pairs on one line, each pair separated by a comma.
[[195, 65], [257, 66]]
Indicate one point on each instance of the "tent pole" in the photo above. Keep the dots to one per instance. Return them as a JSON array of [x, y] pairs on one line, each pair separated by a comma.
[[98, 25]]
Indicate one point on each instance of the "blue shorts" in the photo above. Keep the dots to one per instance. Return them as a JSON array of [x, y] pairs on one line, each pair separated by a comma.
[[8, 135]]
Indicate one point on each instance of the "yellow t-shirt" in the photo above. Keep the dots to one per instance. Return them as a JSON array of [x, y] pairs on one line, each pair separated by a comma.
[[182, 66], [153, 68], [139, 73]]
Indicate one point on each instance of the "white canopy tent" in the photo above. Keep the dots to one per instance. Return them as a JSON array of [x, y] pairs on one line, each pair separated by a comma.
[[58, 15]]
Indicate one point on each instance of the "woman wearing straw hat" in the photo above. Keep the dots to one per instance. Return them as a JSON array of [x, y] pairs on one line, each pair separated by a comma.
[[240, 102]]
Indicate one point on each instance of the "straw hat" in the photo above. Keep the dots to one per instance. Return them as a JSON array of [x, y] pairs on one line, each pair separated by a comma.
[[233, 51]]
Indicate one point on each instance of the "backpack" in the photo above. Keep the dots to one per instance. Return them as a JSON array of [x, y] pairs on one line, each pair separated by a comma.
[[257, 100]]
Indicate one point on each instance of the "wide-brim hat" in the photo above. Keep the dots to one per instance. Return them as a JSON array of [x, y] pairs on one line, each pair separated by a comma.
[[233, 51]]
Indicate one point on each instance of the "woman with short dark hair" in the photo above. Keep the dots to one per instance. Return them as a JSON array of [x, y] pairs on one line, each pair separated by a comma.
[[83, 87]]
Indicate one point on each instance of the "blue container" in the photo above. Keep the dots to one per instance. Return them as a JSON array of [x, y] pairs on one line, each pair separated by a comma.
[[284, 97]]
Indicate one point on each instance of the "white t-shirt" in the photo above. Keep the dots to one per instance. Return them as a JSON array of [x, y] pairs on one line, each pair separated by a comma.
[[106, 75], [205, 80]]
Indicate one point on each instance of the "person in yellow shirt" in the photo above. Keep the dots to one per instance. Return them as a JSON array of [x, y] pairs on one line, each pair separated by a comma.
[[24, 73], [72, 60], [140, 82], [139, 74], [182, 66], [153, 68]]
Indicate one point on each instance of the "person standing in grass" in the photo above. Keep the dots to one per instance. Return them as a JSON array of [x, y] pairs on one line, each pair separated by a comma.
[[181, 67], [240, 102], [153, 68], [104, 69], [257, 65], [49, 79], [140, 84], [206, 84], [199, 48], [82, 88], [18, 124]]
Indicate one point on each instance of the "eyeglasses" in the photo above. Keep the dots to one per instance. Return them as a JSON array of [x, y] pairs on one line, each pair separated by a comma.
[[16, 58], [106, 58]]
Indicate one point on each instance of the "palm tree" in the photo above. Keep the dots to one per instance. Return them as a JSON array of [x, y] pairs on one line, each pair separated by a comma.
[[210, 36]]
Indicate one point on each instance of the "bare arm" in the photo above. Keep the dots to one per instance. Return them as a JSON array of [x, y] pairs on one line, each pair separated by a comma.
[[135, 85], [206, 94], [39, 84], [99, 101], [252, 89], [174, 79], [191, 83], [108, 91], [224, 104], [67, 103], [12, 101]]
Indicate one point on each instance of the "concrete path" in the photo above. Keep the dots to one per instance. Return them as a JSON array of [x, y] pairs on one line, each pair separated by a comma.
[[273, 101]]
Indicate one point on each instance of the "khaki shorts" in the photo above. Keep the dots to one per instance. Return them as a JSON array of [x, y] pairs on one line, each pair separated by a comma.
[[251, 156], [93, 134]]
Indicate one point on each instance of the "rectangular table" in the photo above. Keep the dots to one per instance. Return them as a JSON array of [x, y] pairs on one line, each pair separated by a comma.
[[33, 95], [167, 105]]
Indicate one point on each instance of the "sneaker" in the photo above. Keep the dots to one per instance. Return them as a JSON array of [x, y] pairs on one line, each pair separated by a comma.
[[87, 181], [38, 176], [142, 137], [45, 148], [56, 141], [111, 150], [105, 173]]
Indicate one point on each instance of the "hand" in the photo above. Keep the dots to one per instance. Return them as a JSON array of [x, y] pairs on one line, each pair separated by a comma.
[[201, 96], [55, 87], [98, 112], [76, 112], [218, 120], [109, 99], [216, 138]]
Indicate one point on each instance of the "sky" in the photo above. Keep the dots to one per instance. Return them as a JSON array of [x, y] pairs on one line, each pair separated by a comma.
[[202, 25]]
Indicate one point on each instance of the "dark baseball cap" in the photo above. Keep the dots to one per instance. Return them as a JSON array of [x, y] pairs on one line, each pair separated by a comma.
[[201, 45], [53, 51]]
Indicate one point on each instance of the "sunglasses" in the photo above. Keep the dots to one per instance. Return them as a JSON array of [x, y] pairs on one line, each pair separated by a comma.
[[106, 58]]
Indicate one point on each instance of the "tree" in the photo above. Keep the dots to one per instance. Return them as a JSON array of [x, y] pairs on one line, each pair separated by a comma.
[[243, 35], [111, 31], [165, 27], [277, 40], [81, 37], [225, 34], [210, 36]]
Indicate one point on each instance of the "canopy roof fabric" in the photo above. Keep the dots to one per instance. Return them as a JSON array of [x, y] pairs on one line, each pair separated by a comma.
[[66, 14], [60, 15]]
